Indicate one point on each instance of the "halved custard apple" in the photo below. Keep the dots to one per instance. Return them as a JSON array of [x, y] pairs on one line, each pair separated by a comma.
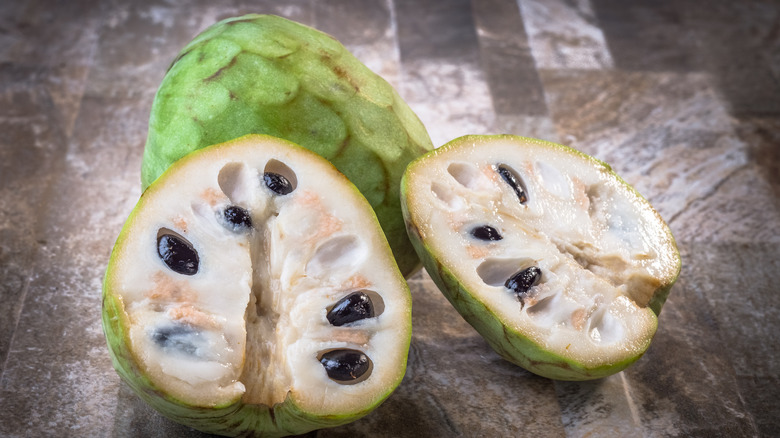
[[252, 292], [557, 262]]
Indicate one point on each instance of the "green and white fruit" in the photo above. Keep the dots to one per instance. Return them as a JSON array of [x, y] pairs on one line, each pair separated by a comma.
[[268, 75], [224, 298], [557, 262]]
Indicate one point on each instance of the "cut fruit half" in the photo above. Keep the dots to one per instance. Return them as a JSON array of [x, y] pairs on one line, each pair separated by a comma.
[[252, 292], [557, 262]]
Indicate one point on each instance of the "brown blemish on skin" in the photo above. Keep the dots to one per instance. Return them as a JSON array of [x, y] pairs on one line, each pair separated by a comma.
[[219, 72], [340, 72]]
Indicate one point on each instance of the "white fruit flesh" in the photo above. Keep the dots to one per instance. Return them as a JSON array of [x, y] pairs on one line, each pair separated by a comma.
[[602, 250], [251, 323]]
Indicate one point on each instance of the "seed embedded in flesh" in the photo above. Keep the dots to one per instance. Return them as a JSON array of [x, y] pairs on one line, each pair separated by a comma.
[[511, 179], [345, 365], [524, 280], [277, 183], [238, 217], [486, 232], [354, 307], [178, 254], [178, 338]]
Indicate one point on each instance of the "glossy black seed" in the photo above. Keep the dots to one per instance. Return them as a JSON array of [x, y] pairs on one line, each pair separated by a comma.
[[345, 365], [178, 254], [510, 179], [277, 183], [486, 232], [520, 282], [179, 338], [353, 307], [238, 217]]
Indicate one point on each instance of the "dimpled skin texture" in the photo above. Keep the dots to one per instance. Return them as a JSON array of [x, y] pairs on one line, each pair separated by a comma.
[[268, 75]]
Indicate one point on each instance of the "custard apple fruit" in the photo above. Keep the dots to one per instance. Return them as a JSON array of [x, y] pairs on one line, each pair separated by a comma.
[[557, 262], [252, 292]]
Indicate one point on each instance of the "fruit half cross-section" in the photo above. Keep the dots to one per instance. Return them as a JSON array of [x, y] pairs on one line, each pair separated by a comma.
[[557, 262], [252, 291], [263, 74]]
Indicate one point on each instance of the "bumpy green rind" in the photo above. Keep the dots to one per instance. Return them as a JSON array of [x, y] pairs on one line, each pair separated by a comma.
[[512, 345], [234, 419], [268, 75]]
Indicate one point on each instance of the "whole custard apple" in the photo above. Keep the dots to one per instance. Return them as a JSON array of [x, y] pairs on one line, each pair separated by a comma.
[[267, 75], [252, 292], [555, 260]]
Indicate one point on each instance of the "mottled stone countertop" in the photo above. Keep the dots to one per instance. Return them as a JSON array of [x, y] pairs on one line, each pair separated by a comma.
[[681, 97]]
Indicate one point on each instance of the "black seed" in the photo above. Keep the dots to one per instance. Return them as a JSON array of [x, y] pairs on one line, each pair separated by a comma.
[[179, 338], [178, 254], [238, 217], [277, 183], [510, 179], [524, 280], [486, 232], [353, 307], [345, 365]]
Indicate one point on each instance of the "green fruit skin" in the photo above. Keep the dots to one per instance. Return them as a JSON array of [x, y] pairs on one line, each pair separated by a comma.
[[234, 419], [509, 344], [268, 75]]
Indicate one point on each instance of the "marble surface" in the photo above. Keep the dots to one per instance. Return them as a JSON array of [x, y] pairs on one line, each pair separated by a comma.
[[682, 100]]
